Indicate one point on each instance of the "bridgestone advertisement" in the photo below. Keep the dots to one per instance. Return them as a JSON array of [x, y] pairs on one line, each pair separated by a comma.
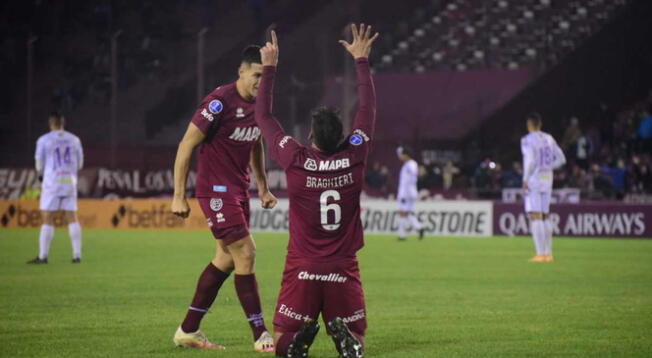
[[449, 218], [446, 218], [612, 220]]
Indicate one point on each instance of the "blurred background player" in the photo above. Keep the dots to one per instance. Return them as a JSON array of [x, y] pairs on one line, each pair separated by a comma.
[[541, 155], [407, 193], [324, 185], [229, 143], [59, 156]]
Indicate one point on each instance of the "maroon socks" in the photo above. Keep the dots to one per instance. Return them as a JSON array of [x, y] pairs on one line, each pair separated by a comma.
[[208, 285], [247, 289]]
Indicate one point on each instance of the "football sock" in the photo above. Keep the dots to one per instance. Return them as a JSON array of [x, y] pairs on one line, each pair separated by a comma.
[[402, 221], [284, 343], [44, 240], [209, 284], [548, 242], [538, 233], [74, 230], [247, 289], [416, 225]]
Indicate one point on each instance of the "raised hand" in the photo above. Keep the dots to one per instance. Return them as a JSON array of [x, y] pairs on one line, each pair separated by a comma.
[[362, 40], [269, 52]]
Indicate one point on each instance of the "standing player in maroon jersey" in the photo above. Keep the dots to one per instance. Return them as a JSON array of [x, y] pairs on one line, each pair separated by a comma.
[[324, 185], [229, 143]]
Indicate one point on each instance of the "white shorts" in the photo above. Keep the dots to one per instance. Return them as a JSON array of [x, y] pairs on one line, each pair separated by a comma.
[[50, 202], [406, 204], [537, 202]]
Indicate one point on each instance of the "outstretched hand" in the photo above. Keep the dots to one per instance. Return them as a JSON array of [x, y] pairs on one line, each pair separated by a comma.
[[269, 52], [362, 40]]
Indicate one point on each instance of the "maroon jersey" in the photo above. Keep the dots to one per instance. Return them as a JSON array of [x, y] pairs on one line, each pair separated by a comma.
[[324, 189], [228, 122]]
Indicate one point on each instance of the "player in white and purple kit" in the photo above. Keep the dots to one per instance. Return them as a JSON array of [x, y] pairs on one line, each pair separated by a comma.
[[407, 193], [59, 156], [541, 155]]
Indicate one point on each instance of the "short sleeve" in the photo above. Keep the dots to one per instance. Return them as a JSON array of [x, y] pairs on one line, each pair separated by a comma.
[[284, 149], [208, 113]]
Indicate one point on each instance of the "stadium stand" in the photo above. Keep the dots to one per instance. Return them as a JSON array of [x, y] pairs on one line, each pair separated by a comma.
[[465, 34], [524, 42]]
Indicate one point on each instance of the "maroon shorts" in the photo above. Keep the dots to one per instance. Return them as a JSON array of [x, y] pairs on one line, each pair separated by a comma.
[[331, 288], [228, 218]]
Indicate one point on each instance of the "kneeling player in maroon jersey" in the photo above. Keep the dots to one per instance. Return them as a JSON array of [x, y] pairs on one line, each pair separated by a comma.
[[324, 185], [229, 143]]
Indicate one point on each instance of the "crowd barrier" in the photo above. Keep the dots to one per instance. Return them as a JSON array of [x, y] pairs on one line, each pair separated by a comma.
[[444, 218]]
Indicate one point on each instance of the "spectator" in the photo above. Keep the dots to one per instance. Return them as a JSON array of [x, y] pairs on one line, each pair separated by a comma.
[[645, 132], [384, 174], [512, 178], [374, 178], [571, 135], [583, 150], [448, 174], [617, 176], [481, 178], [429, 177], [601, 182], [579, 179], [641, 177], [495, 173]]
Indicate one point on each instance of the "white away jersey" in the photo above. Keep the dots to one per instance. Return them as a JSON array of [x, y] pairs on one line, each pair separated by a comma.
[[407, 184], [59, 156], [541, 155]]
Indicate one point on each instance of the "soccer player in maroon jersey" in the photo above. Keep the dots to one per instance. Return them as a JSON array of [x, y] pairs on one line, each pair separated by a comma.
[[229, 143], [324, 184]]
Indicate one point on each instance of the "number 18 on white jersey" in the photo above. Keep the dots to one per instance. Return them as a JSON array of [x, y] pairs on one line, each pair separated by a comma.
[[541, 155]]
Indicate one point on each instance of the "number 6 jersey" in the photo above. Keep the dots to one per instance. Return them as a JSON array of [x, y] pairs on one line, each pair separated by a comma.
[[324, 189], [59, 156]]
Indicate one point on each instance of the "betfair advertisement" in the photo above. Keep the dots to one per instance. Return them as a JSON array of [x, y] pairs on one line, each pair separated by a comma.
[[107, 214]]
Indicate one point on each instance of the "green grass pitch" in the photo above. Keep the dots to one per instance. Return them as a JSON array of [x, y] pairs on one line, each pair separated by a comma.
[[441, 297]]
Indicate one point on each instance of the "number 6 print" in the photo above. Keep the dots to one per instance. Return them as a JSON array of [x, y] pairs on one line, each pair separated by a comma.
[[325, 207]]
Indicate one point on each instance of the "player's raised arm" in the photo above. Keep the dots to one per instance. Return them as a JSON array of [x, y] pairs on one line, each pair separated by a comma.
[[281, 146], [359, 48], [192, 138]]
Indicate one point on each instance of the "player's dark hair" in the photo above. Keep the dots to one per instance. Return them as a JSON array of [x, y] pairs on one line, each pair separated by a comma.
[[326, 128], [535, 118], [56, 119], [251, 54], [406, 150]]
